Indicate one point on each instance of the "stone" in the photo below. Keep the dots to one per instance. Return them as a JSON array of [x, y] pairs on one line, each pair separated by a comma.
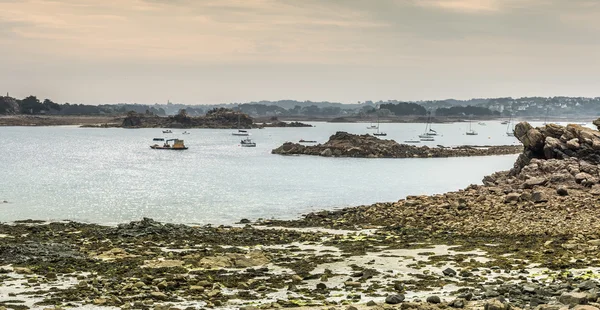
[[352, 284], [321, 286], [495, 304], [458, 303], [327, 153], [99, 301], [248, 308], [512, 197], [449, 272], [371, 303], [573, 144], [22, 270], [433, 299], [535, 181], [159, 295], [572, 299], [587, 285], [297, 278], [351, 308], [585, 307], [538, 197], [562, 191], [394, 299]]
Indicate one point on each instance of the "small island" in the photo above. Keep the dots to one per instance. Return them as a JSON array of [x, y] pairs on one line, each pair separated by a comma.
[[343, 144]]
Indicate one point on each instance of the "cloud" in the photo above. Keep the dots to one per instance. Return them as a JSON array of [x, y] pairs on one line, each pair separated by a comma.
[[467, 6]]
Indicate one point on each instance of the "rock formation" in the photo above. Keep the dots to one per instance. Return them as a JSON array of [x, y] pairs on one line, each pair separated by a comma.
[[343, 144]]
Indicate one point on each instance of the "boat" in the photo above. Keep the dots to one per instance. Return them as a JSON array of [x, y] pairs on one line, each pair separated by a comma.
[[247, 143], [471, 132], [177, 145], [185, 133], [429, 133], [167, 131], [158, 139], [240, 132], [509, 130], [504, 123], [307, 141], [412, 141], [378, 133], [482, 124], [372, 126]]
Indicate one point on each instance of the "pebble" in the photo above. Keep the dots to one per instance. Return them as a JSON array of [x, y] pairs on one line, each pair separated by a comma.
[[394, 299]]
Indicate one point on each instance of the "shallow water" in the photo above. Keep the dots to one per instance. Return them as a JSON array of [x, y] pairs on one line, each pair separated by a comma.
[[112, 176]]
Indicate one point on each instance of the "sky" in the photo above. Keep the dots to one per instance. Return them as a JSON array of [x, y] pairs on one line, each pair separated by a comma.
[[224, 51]]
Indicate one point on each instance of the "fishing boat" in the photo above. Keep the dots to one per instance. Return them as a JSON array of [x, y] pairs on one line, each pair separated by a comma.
[[167, 131], [412, 141], [240, 132], [247, 143], [307, 141], [178, 145], [471, 132]]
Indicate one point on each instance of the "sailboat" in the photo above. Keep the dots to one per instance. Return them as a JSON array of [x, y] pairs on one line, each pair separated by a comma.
[[429, 133], [378, 133], [509, 128], [471, 132], [240, 132]]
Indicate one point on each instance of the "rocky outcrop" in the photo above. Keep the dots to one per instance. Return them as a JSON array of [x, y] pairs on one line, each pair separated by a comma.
[[552, 191], [554, 141], [216, 118], [285, 124], [343, 144]]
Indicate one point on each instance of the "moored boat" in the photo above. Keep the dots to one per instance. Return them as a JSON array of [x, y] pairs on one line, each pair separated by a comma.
[[178, 145], [247, 143]]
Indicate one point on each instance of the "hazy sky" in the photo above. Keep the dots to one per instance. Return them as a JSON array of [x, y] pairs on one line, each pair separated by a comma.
[[215, 51]]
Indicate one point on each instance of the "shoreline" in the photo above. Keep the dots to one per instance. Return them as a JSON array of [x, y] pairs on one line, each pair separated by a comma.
[[110, 121], [526, 238]]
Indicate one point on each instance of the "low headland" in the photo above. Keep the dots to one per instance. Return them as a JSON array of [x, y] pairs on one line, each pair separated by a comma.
[[343, 144], [528, 238]]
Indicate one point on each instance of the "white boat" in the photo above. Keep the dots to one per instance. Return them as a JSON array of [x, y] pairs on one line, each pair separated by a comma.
[[471, 132], [185, 133], [509, 128], [240, 132], [482, 124], [429, 133], [372, 127], [247, 143], [412, 141], [378, 133]]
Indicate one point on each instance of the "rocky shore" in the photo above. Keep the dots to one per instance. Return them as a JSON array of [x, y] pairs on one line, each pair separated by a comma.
[[527, 238], [343, 144]]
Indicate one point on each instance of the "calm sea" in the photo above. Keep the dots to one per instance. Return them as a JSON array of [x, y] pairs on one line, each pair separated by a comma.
[[112, 176]]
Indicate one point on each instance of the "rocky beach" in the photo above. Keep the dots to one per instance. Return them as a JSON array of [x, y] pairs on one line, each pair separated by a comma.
[[527, 238], [343, 144]]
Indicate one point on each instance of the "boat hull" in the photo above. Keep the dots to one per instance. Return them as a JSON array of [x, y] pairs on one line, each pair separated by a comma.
[[157, 147], [239, 134]]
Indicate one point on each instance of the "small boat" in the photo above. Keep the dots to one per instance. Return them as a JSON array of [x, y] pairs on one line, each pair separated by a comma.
[[428, 131], [372, 127], [504, 123], [240, 132], [471, 132], [185, 133], [412, 141], [247, 143], [509, 128], [482, 124], [158, 139], [177, 145], [378, 133], [167, 131], [307, 141], [427, 138]]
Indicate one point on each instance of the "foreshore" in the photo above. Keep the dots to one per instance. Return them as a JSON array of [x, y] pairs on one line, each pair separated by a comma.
[[526, 238]]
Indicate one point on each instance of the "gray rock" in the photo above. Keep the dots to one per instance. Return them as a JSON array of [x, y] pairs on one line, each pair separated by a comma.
[[458, 303], [531, 182], [321, 286], [539, 196], [371, 303], [433, 299], [587, 285], [512, 197], [572, 299], [491, 293], [529, 289], [466, 296], [394, 299], [449, 272]]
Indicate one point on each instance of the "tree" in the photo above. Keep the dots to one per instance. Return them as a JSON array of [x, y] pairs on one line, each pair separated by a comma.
[[50, 105], [32, 105]]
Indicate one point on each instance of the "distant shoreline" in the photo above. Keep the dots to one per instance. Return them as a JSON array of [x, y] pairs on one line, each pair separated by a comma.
[[116, 120]]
